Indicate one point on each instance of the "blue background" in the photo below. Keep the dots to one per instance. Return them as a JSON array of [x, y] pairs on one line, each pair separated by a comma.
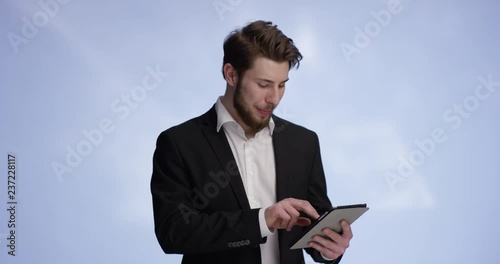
[[402, 78]]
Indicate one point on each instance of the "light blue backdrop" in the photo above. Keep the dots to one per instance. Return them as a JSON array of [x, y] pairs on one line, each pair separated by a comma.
[[403, 95]]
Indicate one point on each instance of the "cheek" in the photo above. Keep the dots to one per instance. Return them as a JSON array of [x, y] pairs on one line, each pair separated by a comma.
[[248, 99], [254, 97]]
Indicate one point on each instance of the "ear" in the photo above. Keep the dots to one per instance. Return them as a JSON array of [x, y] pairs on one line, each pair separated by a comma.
[[230, 75]]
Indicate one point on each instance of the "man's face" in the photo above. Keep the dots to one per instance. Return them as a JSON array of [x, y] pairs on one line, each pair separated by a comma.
[[259, 92]]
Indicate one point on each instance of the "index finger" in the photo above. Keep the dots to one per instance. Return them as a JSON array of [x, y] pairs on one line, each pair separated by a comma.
[[304, 206]]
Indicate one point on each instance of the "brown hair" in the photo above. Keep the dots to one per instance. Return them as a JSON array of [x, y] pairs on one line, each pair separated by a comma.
[[259, 38]]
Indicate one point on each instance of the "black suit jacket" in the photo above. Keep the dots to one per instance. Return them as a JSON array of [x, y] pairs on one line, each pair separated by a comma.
[[199, 201]]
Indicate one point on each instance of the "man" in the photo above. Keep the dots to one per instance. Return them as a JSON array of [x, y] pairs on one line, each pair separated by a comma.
[[239, 184]]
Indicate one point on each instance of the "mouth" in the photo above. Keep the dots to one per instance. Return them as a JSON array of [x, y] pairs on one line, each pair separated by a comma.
[[265, 113]]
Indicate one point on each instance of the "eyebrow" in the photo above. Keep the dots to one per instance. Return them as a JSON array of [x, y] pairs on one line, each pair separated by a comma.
[[266, 80]]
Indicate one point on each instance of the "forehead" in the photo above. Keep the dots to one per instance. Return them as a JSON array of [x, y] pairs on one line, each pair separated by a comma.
[[264, 68]]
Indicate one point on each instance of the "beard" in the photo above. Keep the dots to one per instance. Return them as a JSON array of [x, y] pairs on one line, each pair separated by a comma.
[[245, 113]]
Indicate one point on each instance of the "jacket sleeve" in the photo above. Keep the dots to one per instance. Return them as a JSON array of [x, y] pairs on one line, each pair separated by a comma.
[[180, 226], [317, 196]]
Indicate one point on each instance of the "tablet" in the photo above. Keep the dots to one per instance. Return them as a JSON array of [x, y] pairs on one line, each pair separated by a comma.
[[332, 220]]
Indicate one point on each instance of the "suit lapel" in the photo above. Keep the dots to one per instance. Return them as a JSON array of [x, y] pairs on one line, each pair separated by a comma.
[[222, 150], [280, 158]]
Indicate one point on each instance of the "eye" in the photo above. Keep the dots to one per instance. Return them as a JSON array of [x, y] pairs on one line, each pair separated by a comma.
[[261, 85], [281, 85]]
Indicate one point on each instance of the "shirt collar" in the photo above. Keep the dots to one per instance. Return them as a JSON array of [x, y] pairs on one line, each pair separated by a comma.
[[223, 116]]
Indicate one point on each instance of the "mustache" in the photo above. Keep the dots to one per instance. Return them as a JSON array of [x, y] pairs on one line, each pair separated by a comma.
[[268, 107]]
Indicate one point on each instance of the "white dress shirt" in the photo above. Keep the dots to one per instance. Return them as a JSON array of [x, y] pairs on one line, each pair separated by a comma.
[[255, 160]]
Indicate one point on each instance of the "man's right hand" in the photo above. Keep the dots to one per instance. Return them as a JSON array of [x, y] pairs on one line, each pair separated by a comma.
[[286, 214]]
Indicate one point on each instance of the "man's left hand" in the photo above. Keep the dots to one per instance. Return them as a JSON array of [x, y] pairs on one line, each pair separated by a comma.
[[334, 245]]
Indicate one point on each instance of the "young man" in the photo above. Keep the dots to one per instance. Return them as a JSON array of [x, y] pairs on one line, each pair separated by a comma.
[[238, 184]]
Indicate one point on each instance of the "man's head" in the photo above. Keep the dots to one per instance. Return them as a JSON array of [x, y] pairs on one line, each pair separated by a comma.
[[256, 62], [258, 39]]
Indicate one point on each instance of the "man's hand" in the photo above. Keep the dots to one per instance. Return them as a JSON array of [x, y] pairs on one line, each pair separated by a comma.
[[335, 244], [286, 214]]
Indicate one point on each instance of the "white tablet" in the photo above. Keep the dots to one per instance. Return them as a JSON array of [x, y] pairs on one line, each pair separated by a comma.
[[330, 219]]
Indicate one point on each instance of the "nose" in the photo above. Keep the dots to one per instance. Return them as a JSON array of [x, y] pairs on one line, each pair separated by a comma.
[[274, 96]]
